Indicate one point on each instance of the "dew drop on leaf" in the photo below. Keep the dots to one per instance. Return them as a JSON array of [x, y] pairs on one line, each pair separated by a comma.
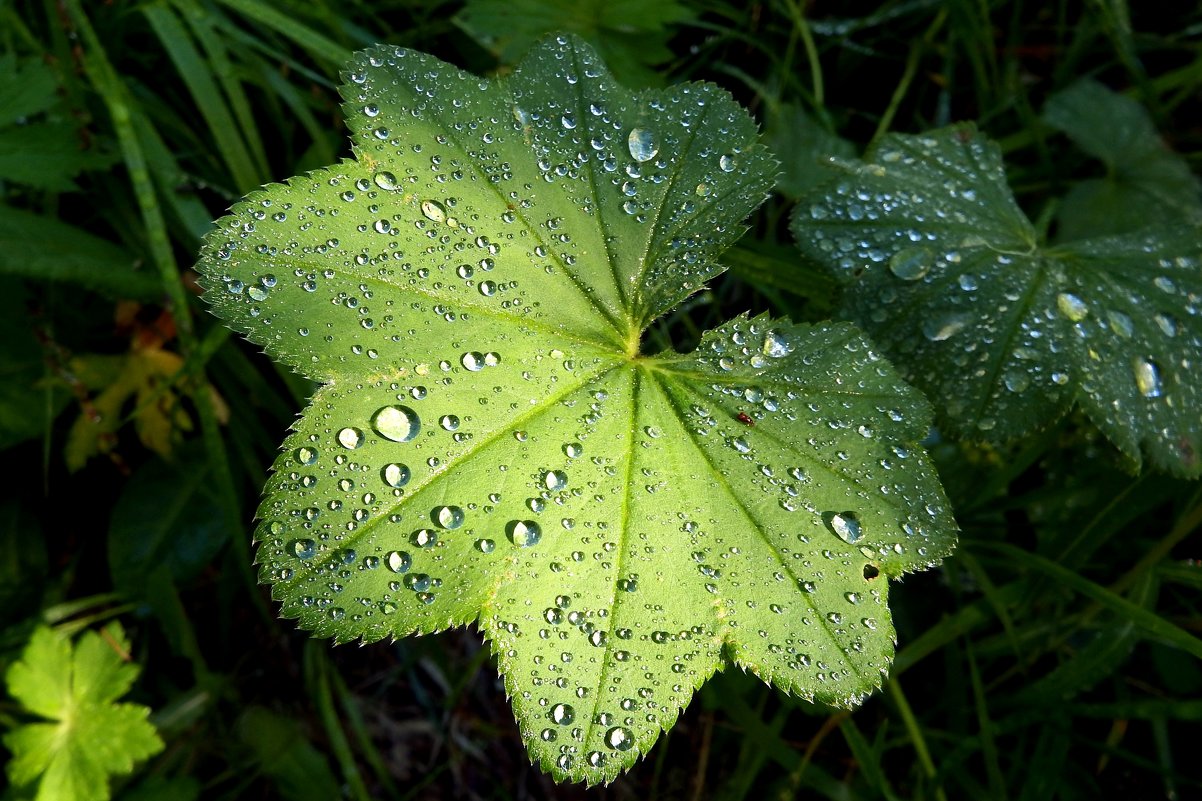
[[563, 714], [619, 739], [434, 211], [350, 438], [397, 423], [1147, 377], [940, 327], [523, 533], [398, 561], [395, 474], [1072, 306], [910, 264], [642, 145], [844, 525], [449, 517], [303, 549]]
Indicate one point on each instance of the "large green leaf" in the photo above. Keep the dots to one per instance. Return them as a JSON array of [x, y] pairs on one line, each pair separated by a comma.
[[491, 447], [1145, 183], [944, 271]]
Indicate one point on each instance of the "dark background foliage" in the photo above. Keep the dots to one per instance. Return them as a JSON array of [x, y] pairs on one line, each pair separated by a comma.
[[137, 431]]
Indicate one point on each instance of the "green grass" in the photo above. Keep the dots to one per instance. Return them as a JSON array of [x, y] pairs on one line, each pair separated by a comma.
[[1055, 655]]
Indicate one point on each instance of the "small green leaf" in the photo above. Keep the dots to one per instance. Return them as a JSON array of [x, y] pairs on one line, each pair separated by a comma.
[[90, 737], [943, 270], [1146, 183], [490, 446]]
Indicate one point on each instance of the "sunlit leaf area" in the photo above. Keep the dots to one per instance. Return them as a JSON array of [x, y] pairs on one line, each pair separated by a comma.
[[681, 399]]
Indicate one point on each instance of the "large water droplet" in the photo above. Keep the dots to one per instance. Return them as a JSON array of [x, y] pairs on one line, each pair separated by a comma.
[[398, 561], [945, 325], [776, 344], [555, 480], [1072, 306], [303, 549], [434, 211], [910, 264], [450, 517], [844, 525], [619, 739], [350, 438], [472, 361], [385, 180], [642, 145], [395, 474], [1147, 377], [563, 714], [397, 423], [523, 533]]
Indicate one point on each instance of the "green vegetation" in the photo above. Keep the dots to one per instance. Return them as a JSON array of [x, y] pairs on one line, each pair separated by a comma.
[[564, 388]]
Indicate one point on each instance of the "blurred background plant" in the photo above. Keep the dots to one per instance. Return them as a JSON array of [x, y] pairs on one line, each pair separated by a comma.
[[137, 431]]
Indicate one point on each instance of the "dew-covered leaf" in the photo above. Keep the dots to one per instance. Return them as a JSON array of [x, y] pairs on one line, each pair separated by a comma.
[[944, 271], [490, 447], [1145, 182]]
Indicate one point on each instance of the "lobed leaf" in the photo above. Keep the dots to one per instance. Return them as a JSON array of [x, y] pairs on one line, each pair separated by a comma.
[[944, 270], [489, 445]]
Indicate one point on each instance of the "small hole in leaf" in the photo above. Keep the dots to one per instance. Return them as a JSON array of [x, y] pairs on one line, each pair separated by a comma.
[[871, 571]]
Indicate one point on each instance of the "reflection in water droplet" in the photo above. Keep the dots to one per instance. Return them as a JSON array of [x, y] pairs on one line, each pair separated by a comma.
[[450, 517], [385, 180], [395, 474], [642, 145], [398, 561], [434, 211], [844, 525], [619, 739], [726, 162], [910, 264], [1072, 306], [776, 344], [304, 549], [944, 325], [563, 714], [472, 361], [350, 438], [1017, 380], [555, 480], [397, 423], [306, 456], [1147, 377], [523, 533]]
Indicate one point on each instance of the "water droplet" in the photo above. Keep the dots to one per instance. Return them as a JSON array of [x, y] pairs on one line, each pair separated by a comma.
[[350, 438], [485, 546], [619, 739], [449, 422], [944, 325], [397, 423], [1147, 377], [563, 714], [472, 361], [1017, 380], [1120, 323], [642, 145], [303, 549], [398, 561], [1072, 306], [385, 180], [395, 474], [449, 517], [1167, 324], [523, 533], [555, 480], [844, 525], [434, 211], [776, 344], [306, 456], [726, 162], [910, 264]]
